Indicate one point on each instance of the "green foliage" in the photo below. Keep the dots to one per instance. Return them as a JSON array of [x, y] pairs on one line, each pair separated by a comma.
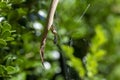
[[74, 62], [5, 34], [89, 43], [96, 53]]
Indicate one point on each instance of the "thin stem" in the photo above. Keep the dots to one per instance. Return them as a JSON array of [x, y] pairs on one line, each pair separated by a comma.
[[49, 23]]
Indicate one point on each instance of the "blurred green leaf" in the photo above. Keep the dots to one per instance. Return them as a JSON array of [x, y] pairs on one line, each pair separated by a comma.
[[6, 27], [11, 70], [3, 42], [4, 5], [17, 1], [12, 15], [68, 50], [5, 34], [20, 76], [9, 39], [2, 70], [0, 28], [21, 11]]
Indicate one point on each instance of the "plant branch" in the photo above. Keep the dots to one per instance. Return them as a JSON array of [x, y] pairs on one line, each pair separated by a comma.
[[49, 24]]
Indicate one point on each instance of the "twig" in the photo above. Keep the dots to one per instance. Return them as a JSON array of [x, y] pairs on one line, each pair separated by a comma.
[[49, 24]]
